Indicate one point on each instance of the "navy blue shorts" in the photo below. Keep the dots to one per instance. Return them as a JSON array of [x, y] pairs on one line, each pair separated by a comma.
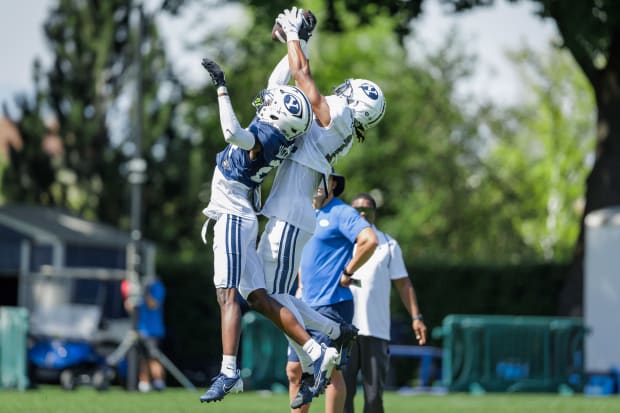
[[339, 312]]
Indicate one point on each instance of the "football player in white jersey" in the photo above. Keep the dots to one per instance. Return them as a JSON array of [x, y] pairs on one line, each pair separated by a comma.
[[355, 106], [282, 114]]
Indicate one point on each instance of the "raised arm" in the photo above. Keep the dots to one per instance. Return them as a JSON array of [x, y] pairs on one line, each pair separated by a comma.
[[281, 73], [291, 21], [232, 130]]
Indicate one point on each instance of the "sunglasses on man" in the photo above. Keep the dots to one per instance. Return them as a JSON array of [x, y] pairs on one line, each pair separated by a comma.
[[365, 210]]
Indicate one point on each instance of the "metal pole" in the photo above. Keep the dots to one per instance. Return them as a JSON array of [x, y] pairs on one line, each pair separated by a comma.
[[137, 169]]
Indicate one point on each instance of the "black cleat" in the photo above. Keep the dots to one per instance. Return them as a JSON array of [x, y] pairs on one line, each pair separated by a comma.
[[305, 394], [344, 343]]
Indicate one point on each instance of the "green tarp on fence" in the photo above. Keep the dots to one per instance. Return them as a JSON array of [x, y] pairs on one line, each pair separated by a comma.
[[512, 353], [13, 347]]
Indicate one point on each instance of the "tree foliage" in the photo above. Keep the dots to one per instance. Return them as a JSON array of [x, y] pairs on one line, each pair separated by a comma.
[[455, 185], [77, 131], [540, 148], [440, 196], [91, 53], [590, 31]]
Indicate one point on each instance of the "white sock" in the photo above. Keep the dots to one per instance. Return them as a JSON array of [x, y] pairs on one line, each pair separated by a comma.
[[313, 349], [304, 359], [229, 366], [144, 386]]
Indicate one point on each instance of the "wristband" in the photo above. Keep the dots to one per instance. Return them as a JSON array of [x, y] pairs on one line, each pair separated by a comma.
[[222, 91], [304, 48], [290, 36], [348, 274], [417, 317]]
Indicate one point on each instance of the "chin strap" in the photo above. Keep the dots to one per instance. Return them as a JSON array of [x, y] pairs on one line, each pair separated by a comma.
[[317, 201], [359, 131], [325, 188]]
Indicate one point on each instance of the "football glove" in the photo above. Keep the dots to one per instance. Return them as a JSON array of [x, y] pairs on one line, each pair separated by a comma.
[[216, 73], [305, 31], [291, 20], [308, 25]]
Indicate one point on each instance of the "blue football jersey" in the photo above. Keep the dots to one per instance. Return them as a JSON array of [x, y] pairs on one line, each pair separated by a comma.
[[235, 163]]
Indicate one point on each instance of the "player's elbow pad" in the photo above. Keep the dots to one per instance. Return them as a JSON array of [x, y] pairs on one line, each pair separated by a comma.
[[239, 137]]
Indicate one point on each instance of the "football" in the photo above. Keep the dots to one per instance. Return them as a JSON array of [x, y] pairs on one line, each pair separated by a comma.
[[278, 35]]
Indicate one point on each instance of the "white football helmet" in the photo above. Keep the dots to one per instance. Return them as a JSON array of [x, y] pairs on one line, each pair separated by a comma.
[[366, 100], [286, 108]]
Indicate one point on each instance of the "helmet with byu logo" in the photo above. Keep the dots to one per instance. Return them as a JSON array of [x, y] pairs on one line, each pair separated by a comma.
[[365, 99], [286, 108]]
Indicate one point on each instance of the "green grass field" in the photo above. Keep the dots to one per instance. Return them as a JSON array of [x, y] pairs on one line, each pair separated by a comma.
[[50, 399]]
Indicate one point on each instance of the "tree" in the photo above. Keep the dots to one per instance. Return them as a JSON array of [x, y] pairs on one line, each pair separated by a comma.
[[445, 191], [590, 30], [537, 148], [91, 51], [10, 140], [438, 205], [423, 159], [77, 130]]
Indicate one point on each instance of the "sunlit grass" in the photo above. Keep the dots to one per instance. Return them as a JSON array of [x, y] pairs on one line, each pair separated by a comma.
[[51, 399]]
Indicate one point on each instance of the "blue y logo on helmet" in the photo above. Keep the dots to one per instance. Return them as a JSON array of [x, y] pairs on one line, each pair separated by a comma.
[[292, 104], [370, 91]]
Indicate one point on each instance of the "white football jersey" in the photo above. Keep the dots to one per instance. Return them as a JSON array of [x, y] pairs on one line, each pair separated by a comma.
[[323, 146], [298, 177], [228, 197]]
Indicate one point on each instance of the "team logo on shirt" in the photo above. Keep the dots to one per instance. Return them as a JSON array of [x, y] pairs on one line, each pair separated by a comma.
[[370, 91], [323, 222], [292, 104]]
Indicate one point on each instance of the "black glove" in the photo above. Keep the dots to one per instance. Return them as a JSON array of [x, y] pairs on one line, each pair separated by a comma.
[[216, 73]]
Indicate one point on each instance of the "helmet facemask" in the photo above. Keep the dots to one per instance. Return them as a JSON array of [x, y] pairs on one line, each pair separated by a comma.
[[367, 102], [264, 98]]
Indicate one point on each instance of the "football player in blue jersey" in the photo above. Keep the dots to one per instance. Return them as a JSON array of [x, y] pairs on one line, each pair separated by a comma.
[[283, 113]]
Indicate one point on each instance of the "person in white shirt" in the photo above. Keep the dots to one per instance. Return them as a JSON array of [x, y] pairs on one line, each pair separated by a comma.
[[371, 315]]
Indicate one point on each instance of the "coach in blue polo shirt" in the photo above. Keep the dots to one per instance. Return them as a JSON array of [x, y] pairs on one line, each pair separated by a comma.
[[342, 242]]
